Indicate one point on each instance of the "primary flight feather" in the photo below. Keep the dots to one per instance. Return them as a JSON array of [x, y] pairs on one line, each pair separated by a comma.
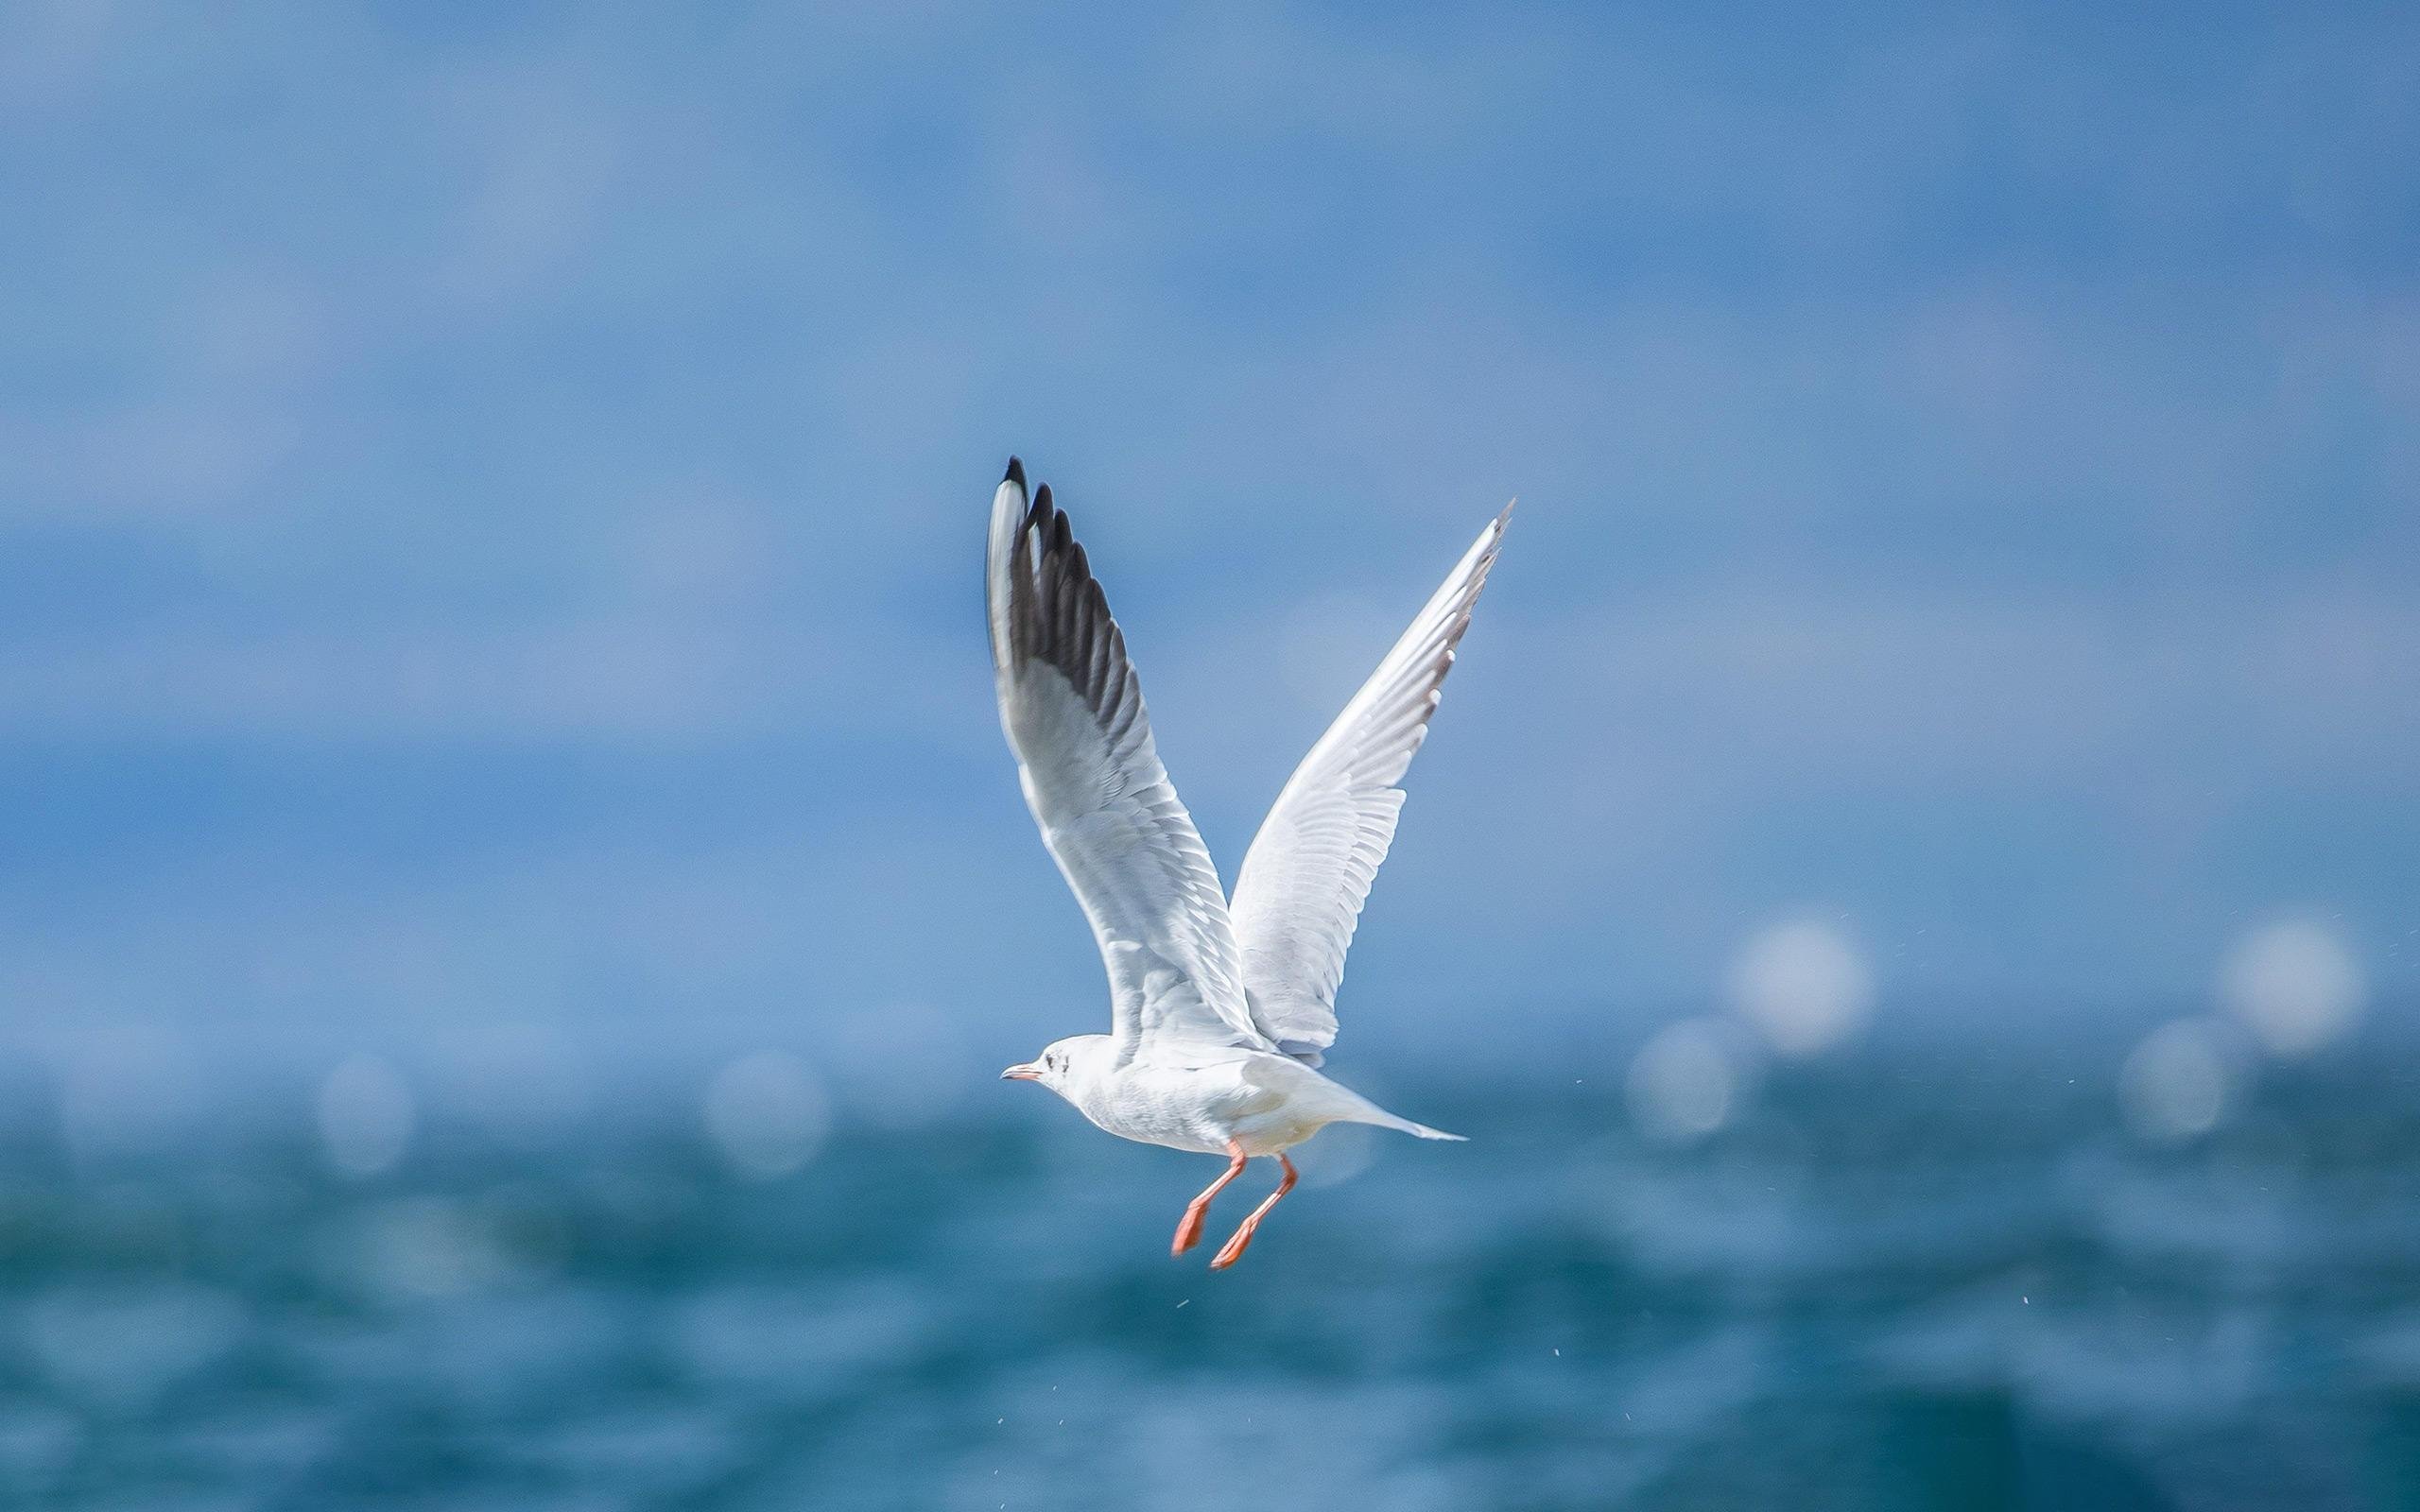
[[1221, 1009]]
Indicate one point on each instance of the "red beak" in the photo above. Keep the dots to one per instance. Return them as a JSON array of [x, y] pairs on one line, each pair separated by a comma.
[[1028, 1071]]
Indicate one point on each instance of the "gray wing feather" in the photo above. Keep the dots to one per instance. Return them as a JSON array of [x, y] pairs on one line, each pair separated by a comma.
[[1298, 896], [1073, 711]]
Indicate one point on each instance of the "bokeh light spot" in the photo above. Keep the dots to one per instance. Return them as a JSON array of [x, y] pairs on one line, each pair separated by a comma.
[[767, 1113], [366, 1116], [2177, 1083], [1804, 986], [1687, 1082], [1342, 1152], [2296, 985]]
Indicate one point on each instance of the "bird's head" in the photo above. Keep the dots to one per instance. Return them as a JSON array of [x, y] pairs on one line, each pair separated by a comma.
[[1063, 1062]]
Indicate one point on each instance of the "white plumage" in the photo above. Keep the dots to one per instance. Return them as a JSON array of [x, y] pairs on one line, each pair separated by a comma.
[[1219, 1010]]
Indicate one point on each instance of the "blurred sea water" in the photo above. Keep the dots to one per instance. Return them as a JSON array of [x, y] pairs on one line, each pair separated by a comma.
[[1887, 1279]]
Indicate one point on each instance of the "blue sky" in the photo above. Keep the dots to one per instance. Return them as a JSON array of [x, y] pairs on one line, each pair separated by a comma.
[[491, 497]]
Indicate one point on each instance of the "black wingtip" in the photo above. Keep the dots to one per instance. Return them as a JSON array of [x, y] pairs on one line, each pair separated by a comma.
[[1016, 472]]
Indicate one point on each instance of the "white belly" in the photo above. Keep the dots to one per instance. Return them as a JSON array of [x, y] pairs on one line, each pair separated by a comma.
[[1202, 1108]]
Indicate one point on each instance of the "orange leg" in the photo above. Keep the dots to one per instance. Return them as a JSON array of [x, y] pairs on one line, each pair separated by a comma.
[[1188, 1228], [1234, 1249]]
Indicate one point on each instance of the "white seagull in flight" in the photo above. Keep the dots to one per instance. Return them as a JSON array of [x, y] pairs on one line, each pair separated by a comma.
[[1219, 1009]]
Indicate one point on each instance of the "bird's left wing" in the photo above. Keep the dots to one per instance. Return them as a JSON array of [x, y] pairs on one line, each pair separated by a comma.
[[1309, 868], [1073, 710]]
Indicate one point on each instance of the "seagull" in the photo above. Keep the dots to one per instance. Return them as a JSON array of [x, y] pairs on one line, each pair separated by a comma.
[[1219, 1007]]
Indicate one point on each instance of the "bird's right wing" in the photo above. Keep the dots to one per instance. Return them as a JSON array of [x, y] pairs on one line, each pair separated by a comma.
[[1073, 711], [1300, 893]]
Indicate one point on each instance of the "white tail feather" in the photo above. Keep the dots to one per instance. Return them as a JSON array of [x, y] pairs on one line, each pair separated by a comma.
[[1387, 1120]]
